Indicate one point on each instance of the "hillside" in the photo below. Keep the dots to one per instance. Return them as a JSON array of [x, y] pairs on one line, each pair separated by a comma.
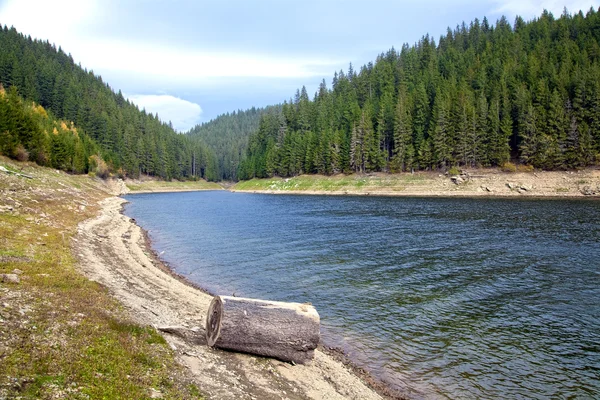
[[62, 335], [483, 95], [131, 142], [227, 136]]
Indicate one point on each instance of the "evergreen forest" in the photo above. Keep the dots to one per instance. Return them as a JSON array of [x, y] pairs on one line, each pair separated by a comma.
[[56, 113], [482, 95], [227, 136]]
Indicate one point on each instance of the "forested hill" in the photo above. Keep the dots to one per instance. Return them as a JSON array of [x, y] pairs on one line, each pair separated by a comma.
[[106, 125], [483, 95], [227, 136]]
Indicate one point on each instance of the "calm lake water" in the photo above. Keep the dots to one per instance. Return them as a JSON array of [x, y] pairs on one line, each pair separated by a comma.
[[442, 298]]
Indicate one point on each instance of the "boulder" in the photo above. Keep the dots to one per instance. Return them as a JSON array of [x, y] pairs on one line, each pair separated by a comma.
[[10, 278], [457, 180]]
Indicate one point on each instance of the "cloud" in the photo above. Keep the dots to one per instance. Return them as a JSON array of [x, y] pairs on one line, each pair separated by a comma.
[[50, 20], [533, 8], [190, 64], [182, 113], [80, 28]]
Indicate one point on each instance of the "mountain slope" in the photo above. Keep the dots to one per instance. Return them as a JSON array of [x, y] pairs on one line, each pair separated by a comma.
[[227, 136], [483, 96], [131, 141]]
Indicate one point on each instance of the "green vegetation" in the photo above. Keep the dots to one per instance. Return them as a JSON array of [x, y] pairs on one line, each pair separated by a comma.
[[484, 95], [227, 136], [97, 121], [61, 335]]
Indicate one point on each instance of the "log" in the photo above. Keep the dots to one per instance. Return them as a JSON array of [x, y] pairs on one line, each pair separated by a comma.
[[286, 331]]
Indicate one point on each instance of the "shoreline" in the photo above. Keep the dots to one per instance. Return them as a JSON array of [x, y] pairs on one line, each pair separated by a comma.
[[174, 190], [115, 252], [380, 387], [463, 195], [474, 183]]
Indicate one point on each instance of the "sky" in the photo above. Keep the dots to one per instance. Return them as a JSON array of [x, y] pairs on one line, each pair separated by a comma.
[[192, 60]]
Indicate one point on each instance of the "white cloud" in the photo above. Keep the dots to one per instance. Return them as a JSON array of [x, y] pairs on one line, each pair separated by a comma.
[[191, 64], [55, 20], [74, 24], [533, 8], [182, 113]]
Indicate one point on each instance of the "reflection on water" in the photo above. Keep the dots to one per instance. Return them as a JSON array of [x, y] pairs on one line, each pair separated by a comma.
[[443, 298]]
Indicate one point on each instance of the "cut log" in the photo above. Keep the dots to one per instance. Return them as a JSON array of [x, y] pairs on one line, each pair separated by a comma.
[[286, 331]]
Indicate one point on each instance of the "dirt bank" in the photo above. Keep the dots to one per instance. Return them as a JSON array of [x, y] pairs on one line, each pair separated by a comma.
[[112, 251], [472, 183]]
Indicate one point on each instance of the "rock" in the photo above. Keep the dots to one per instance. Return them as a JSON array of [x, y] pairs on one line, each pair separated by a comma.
[[10, 278], [179, 331], [588, 191], [17, 272], [510, 186], [457, 179]]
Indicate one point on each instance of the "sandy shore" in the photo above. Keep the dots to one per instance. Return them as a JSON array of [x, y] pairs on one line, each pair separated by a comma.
[[112, 250]]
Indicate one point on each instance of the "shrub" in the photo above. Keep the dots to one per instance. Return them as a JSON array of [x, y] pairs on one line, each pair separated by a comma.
[[525, 168], [454, 171], [508, 167], [21, 154], [98, 165]]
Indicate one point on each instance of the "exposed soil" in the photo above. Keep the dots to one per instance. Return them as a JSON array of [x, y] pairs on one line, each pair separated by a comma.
[[471, 183]]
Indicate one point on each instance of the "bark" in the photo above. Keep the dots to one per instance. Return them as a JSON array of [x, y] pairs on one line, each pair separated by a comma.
[[286, 331]]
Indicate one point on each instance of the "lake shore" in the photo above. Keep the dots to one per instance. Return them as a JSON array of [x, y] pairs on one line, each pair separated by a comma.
[[152, 185], [114, 251], [471, 183]]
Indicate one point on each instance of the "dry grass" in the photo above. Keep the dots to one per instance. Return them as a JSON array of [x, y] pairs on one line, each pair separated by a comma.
[[61, 335], [337, 183], [163, 186]]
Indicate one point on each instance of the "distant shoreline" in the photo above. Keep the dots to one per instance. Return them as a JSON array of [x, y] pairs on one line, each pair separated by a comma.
[[480, 183], [474, 183]]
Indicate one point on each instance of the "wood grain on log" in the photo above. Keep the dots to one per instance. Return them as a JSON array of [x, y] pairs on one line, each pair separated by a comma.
[[286, 331]]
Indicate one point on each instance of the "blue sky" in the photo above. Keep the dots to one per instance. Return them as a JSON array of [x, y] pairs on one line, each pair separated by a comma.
[[193, 60]]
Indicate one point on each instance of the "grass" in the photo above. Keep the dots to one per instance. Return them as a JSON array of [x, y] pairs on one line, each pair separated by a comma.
[[61, 335], [158, 186], [338, 183]]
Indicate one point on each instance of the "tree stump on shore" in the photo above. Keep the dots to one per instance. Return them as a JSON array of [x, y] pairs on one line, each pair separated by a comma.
[[286, 331]]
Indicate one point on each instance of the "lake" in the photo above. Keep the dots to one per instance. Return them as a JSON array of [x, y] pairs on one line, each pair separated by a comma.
[[438, 297]]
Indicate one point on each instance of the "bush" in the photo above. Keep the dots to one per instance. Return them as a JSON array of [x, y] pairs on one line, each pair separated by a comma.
[[21, 154], [98, 165], [525, 168], [454, 171], [508, 167]]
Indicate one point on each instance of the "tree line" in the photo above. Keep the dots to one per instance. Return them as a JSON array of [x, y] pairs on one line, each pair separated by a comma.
[[483, 95], [107, 126]]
